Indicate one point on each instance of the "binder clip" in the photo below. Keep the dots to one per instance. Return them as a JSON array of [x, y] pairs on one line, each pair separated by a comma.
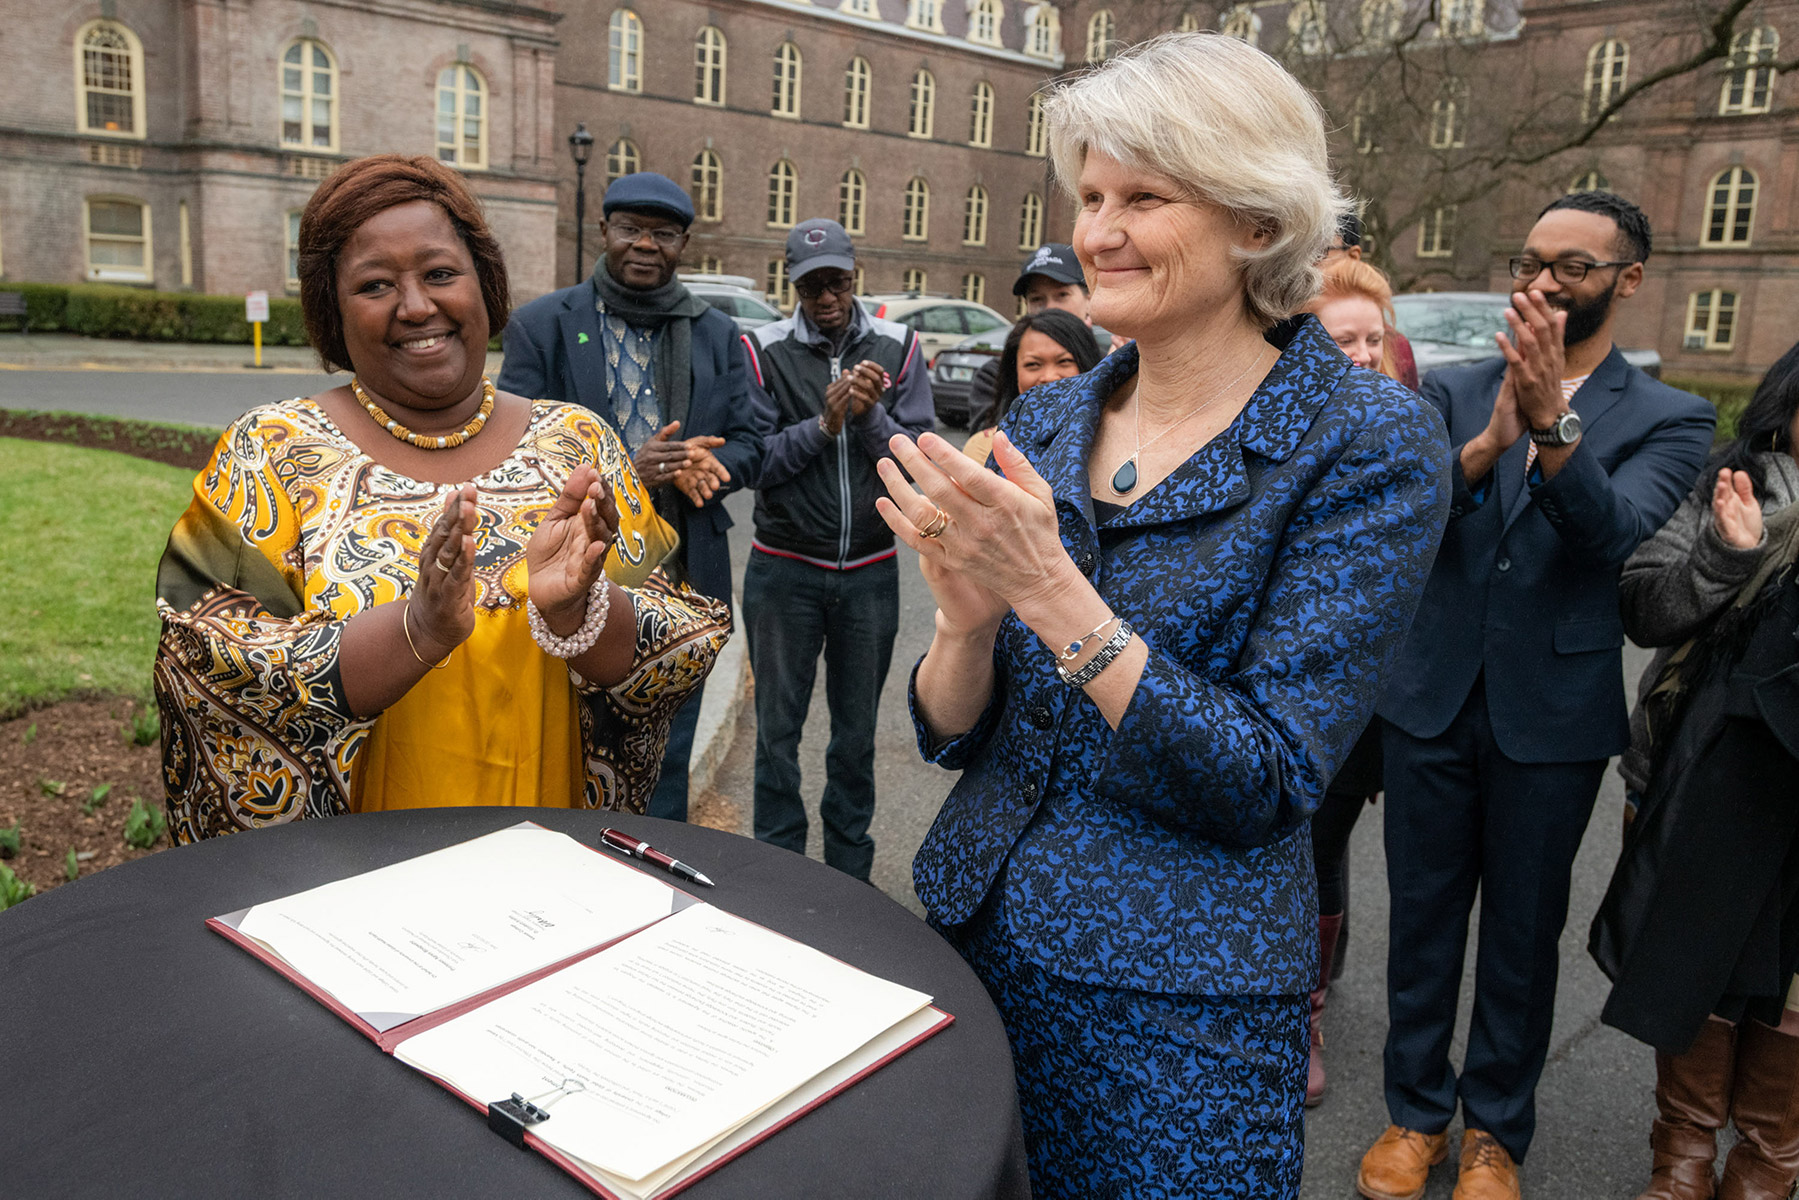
[[510, 1118]]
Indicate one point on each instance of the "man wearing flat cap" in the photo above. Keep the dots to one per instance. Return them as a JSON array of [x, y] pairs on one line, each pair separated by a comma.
[[668, 372], [822, 575]]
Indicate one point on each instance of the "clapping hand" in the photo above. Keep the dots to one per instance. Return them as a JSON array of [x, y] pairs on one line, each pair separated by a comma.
[[1534, 358], [704, 474], [853, 393], [440, 610], [568, 550], [1735, 513], [662, 456]]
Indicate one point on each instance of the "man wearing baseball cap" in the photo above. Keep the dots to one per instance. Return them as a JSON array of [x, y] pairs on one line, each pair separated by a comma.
[[837, 384], [1050, 278], [666, 370]]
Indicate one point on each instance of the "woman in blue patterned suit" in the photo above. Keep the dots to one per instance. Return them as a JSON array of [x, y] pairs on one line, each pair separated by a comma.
[[1159, 632]]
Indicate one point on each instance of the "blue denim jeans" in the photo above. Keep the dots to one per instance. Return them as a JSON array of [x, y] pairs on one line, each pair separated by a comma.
[[791, 611]]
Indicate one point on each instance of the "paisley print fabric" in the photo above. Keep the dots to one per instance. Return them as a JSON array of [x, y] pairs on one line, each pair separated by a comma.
[[1272, 578], [293, 529], [1152, 1097]]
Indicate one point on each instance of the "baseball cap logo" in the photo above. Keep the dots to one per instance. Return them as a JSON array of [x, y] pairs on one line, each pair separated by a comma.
[[815, 237], [1045, 256]]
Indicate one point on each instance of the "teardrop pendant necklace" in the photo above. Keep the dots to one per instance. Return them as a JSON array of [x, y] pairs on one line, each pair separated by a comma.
[[1124, 480]]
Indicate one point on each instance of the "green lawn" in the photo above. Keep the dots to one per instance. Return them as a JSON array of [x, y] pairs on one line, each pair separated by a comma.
[[80, 535]]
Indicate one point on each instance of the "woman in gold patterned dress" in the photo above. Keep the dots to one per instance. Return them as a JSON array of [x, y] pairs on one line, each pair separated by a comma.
[[415, 590]]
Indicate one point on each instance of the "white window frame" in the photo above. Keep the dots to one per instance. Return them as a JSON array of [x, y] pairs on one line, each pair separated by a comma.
[[1102, 36], [858, 83], [783, 194], [461, 73], [980, 115], [1449, 116], [1436, 233], [623, 155], [1730, 201], [926, 15], [852, 202], [112, 272], [1608, 74], [710, 51], [790, 66], [915, 224], [290, 233], [916, 279], [779, 290], [1748, 87], [624, 51], [984, 22], [1042, 31], [1036, 136], [1030, 221], [974, 216], [134, 62], [974, 287], [921, 112], [1702, 324], [307, 94], [708, 186]]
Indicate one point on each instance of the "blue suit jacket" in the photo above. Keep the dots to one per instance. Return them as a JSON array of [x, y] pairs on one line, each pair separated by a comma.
[[1526, 585], [1272, 577], [547, 359]]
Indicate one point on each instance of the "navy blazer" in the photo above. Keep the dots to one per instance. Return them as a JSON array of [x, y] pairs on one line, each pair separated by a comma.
[[1526, 585], [554, 352], [1272, 577]]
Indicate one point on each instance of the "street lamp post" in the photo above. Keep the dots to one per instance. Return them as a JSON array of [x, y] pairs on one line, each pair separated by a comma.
[[580, 145]]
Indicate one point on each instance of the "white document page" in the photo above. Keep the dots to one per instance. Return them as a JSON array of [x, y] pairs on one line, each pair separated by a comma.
[[673, 1037], [421, 934]]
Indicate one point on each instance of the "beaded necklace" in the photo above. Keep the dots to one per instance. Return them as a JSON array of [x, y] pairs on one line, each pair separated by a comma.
[[425, 441]]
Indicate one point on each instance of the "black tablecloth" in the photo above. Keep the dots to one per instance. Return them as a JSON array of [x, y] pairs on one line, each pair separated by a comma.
[[143, 1055]]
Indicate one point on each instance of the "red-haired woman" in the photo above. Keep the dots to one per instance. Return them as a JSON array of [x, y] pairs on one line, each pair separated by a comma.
[[413, 589]]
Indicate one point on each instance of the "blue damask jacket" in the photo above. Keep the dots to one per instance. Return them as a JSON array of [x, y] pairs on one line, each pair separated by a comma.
[[1273, 577]]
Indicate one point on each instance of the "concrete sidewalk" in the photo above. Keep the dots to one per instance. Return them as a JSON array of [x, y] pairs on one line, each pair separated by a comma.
[[71, 352]]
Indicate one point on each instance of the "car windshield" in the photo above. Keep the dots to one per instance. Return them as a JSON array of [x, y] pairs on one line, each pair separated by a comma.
[[1451, 321]]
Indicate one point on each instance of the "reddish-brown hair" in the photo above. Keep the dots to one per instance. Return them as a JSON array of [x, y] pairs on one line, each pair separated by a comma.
[[362, 189]]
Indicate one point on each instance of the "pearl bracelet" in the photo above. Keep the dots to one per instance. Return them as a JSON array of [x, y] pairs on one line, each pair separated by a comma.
[[599, 601]]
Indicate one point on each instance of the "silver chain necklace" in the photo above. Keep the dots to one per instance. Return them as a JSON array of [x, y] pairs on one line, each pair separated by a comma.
[[1124, 480]]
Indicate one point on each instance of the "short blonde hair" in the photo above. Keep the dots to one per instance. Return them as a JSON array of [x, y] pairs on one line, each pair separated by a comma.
[[1226, 122]]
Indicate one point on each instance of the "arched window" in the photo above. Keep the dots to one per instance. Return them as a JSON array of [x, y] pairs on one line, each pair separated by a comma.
[[1436, 233], [857, 79], [1381, 20], [624, 63], [925, 14], [1449, 116], [1461, 19], [1306, 27], [1030, 222], [983, 22], [783, 192], [109, 73], [861, 8], [462, 117], [308, 96], [1589, 181], [974, 216], [1189, 23], [1241, 23], [924, 104], [1364, 124], [780, 290], [708, 189], [118, 239], [711, 265], [1730, 212], [1042, 30], [1035, 140], [1102, 35], [709, 66], [918, 211], [852, 202], [1608, 65], [1711, 320], [916, 280], [622, 159], [974, 288], [786, 101], [1749, 88], [980, 116]]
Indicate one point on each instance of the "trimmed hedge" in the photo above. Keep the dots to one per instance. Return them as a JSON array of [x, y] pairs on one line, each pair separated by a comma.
[[1728, 395], [110, 311]]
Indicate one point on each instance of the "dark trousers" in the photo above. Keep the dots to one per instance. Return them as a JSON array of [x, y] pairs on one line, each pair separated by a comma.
[[1461, 817], [791, 611], [669, 800]]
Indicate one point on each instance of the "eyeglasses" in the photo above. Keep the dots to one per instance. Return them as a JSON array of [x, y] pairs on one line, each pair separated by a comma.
[[664, 238], [812, 288], [1565, 270]]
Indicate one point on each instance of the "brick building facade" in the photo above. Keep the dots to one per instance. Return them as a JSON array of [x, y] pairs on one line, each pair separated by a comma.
[[909, 120], [173, 142]]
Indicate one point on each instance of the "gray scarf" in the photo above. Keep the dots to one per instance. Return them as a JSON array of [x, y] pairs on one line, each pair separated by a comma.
[[672, 309]]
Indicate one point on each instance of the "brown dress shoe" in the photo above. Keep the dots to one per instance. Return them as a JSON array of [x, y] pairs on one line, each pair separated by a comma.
[[1398, 1165], [1488, 1172], [1764, 1105], [1692, 1100]]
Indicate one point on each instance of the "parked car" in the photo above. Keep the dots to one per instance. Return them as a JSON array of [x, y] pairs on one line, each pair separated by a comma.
[[734, 295], [953, 373], [939, 321], [1448, 329]]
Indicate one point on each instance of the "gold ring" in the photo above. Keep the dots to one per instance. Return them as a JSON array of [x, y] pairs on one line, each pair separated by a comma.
[[440, 564], [937, 524]]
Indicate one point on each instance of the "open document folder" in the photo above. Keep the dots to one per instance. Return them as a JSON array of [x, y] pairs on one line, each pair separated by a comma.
[[663, 1035]]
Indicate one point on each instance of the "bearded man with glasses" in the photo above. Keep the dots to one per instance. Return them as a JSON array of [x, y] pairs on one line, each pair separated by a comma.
[[1508, 697], [667, 371]]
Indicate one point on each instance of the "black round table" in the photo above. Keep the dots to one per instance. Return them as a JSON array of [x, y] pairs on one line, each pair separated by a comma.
[[143, 1055]]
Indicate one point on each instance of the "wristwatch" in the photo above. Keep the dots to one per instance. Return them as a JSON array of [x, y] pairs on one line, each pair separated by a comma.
[[1563, 431]]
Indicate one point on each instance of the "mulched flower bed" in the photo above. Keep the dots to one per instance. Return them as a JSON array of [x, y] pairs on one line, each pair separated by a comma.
[[179, 446], [51, 761]]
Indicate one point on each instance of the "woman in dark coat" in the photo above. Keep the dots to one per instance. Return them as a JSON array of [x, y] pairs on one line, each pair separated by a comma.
[[1700, 928]]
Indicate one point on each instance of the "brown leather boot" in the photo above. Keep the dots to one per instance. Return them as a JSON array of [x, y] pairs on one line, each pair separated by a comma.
[[1488, 1172], [1328, 928], [1764, 1104], [1692, 1098], [1398, 1165]]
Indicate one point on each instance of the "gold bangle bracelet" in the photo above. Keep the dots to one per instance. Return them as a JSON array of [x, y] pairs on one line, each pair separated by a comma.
[[406, 628]]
